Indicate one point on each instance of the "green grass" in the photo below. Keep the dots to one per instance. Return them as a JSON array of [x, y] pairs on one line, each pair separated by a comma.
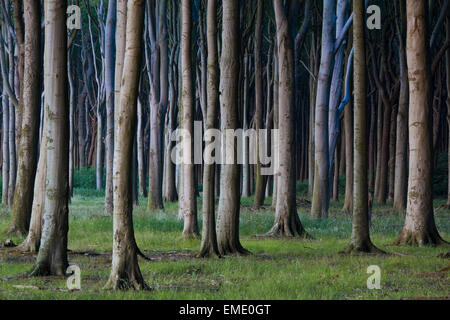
[[278, 269]]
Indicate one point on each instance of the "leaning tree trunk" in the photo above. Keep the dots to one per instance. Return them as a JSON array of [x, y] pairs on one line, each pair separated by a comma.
[[229, 202], [52, 257], [125, 272], [360, 239], [188, 203], [320, 200], [28, 148], [420, 228], [209, 237], [287, 222]]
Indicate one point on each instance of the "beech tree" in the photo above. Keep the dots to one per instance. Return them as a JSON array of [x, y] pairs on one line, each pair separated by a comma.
[[209, 236], [229, 202], [28, 147], [287, 222], [125, 271], [420, 228], [52, 256], [360, 239], [188, 203]]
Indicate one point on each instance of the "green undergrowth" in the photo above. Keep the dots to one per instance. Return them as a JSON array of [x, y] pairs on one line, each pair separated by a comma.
[[277, 268]]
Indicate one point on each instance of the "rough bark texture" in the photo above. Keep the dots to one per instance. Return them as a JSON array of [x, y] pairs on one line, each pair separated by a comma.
[[360, 240], [188, 203], [420, 228], [28, 148], [52, 257], [125, 272], [209, 237], [229, 203]]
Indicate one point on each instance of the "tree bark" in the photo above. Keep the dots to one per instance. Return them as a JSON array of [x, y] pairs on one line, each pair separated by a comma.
[[188, 203], [125, 272], [52, 257], [110, 56], [28, 148], [287, 222], [229, 202], [360, 239], [209, 246], [321, 193], [348, 131], [420, 228]]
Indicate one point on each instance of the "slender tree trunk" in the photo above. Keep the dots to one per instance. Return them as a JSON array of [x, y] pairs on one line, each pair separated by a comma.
[[276, 113], [420, 228], [125, 272], [188, 203], [360, 239], [121, 25], [110, 58], [348, 130], [447, 61], [21, 208], [5, 142], [320, 201], [52, 257], [209, 237], [12, 128], [287, 222], [402, 131], [140, 150], [259, 183]]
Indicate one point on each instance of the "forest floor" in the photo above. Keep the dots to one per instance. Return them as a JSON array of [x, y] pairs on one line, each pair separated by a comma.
[[277, 269]]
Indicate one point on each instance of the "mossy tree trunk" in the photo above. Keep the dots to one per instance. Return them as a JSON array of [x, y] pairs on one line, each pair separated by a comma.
[[28, 148]]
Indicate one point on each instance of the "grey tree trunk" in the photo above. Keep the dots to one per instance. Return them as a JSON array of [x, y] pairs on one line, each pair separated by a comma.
[[188, 203], [209, 237], [28, 148], [229, 202], [110, 56], [52, 257], [125, 272], [287, 222], [321, 193]]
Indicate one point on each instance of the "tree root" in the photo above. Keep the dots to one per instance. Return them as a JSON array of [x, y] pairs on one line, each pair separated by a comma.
[[365, 247], [409, 238]]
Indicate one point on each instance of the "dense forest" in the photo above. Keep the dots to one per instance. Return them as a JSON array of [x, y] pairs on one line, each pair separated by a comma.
[[230, 129]]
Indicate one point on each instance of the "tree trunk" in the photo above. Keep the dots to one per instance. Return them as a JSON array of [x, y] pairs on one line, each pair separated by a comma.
[[321, 193], [447, 61], [348, 131], [12, 128], [52, 257], [140, 151], [420, 228], [110, 58], [125, 272], [402, 130], [28, 148], [5, 142], [360, 239], [229, 202], [259, 178], [209, 237], [188, 203], [287, 222]]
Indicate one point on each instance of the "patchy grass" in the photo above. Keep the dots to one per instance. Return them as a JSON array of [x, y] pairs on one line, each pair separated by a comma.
[[278, 269]]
